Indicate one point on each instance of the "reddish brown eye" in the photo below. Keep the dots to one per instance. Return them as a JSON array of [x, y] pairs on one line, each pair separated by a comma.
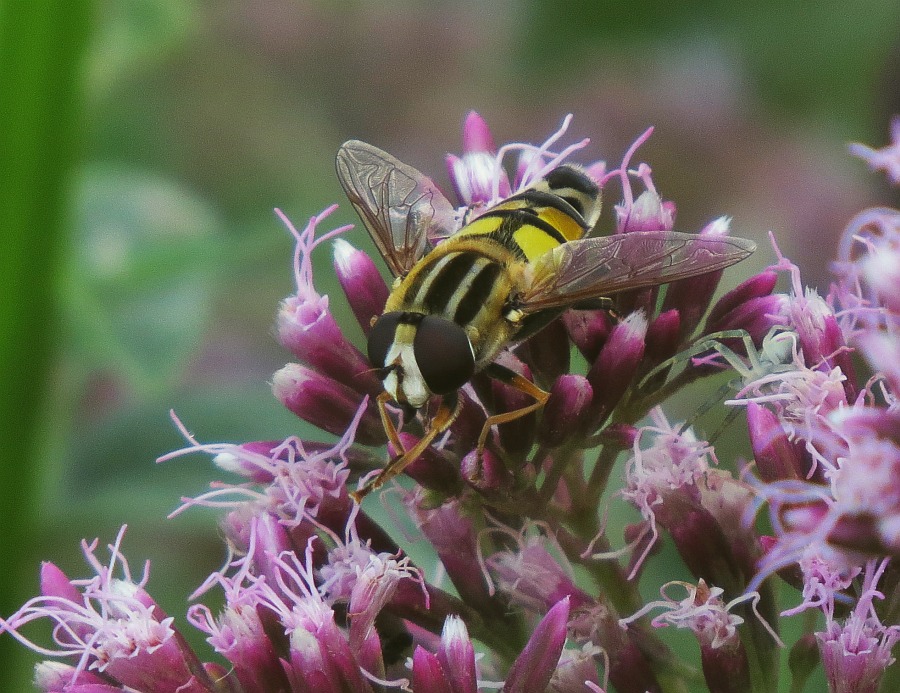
[[381, 337], [443, 354]]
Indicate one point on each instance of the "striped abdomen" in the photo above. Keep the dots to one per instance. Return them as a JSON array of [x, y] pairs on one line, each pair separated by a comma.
[[561, 207], [463, 280]]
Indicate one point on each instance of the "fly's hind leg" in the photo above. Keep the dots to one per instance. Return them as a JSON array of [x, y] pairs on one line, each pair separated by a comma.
[[445, 415], [513, 379]]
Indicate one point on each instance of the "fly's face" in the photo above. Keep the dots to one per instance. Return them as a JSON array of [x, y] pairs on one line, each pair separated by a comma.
[[420, 356]]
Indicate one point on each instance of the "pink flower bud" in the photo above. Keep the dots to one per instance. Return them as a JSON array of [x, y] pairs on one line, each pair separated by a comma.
[[317, 341], [477, 135], [588, 330], [321, 660], [54, 583], [305, 323], [562, 415], [663, 336], [477, 176], [325, 403], [431, 469], [647, 213], [692, 296], [452, 533], [362, 283], [427, 673], [619, 434], [757, 316], [776, 457], [616, 365], [533, 668], [489, 474], [271, 538], [757, 286], [242, 639], [457, 656]]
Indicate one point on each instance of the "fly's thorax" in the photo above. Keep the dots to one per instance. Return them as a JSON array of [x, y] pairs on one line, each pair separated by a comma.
[[467, 281], [420, 356]]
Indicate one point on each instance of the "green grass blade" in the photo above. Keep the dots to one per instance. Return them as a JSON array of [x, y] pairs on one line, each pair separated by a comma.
[[42, 46]]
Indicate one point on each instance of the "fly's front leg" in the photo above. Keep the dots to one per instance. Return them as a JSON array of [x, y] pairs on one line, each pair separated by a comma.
[[445, 415], [390, 429], [513, 379]]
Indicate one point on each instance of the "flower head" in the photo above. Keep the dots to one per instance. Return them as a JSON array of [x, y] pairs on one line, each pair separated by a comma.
[[297, 481], [453, 667], [516, 584], [703, 611], [673, 464], [109, 625], [887, 158], [857, 652], [305, 324], [531, 576], [479, 176], [647, 212]]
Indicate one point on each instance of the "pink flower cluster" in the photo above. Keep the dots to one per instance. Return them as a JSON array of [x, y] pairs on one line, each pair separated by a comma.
[[527, 590]]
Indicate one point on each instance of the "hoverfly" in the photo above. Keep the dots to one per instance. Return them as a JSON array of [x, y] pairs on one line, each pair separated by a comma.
[[494, 282]]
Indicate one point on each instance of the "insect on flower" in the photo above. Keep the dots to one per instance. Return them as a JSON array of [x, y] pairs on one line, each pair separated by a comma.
[[493, 283]]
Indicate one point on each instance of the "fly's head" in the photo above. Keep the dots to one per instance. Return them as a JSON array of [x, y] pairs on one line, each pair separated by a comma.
[[419, 356]]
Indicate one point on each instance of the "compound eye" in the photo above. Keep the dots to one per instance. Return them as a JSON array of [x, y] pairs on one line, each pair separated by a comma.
[[381, 337], [443, 354]]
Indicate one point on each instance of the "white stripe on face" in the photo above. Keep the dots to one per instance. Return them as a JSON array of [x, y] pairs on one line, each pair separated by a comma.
[[409, 386]]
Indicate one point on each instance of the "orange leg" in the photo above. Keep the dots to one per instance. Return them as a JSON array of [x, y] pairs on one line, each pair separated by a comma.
[[513, 379], [389, 428], [445, 415]]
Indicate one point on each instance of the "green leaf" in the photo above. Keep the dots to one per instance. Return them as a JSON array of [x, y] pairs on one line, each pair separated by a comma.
[[139, 287]]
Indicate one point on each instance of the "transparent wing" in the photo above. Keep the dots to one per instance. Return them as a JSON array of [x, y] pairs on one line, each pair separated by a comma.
[[399, 205], [594, 267]]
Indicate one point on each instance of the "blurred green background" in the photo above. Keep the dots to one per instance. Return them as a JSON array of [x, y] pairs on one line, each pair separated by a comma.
[[144, 143]]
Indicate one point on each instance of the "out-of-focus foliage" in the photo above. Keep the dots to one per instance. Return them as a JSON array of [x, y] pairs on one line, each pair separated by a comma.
[[827, 61]]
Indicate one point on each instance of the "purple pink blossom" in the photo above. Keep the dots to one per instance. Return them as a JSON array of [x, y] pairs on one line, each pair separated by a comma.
[[527, 588]]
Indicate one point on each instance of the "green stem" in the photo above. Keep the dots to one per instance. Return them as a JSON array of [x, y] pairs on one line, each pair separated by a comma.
[[42, 46], [562, 458], [600, 475]]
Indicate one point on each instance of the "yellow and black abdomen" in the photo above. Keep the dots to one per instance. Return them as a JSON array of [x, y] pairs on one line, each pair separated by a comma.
[[561, 207]]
